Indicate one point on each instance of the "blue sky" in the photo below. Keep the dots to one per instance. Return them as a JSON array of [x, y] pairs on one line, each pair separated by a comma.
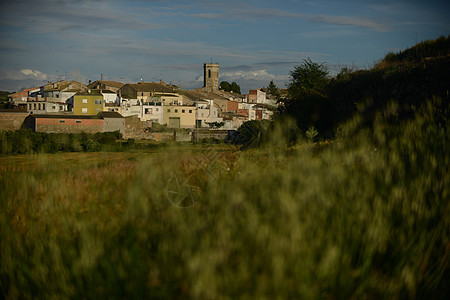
[[253, 41]]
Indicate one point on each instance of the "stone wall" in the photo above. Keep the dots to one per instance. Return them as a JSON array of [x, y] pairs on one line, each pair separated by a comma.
[[12, 120], [162, 136], [137, 129], [208, 134]]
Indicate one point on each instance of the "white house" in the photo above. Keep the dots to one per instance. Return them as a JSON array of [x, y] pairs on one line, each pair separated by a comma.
[[207, 112], [110, 97]]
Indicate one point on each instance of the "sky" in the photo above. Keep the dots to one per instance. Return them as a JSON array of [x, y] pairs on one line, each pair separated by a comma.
[[253, 41]]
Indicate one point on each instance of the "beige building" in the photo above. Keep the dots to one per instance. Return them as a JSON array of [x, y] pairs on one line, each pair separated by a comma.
[[179, 116]]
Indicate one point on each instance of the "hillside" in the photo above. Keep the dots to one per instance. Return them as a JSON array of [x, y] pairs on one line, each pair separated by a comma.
[[408, 78]]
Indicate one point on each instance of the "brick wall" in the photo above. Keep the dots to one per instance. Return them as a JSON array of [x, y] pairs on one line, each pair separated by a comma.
[[243, 112], [259, 114], [232, 106], [69, 125], [12, 120]]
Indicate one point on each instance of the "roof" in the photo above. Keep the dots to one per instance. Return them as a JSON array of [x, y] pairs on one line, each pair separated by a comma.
[[62, 85], [61, 116], [108, 92], [14, 111], [112, 105], [115, 84], [110, 115], [166, 95], [151, 87], [90, 93], [200, 94]]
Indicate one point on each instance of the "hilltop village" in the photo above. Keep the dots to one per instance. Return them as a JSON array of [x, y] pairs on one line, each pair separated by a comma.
[[138, 110]]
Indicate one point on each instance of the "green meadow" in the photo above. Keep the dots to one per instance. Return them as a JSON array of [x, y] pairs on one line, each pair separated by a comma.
[[364, 216]]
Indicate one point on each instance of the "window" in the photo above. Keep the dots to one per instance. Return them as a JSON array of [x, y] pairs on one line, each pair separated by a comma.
[[61, 107], [209, 73], [84, 110], [34, 105], [39, 106], [168, 110], [54, 106], [190, 111], [182, 111], [43, 106], [157, 109], [176, 110], [98, 101], [78, 121], [62, 121], [84, 100]]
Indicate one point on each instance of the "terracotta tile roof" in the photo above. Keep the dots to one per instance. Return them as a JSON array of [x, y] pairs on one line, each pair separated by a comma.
[[107, 83], [110, 114], [151, 87]]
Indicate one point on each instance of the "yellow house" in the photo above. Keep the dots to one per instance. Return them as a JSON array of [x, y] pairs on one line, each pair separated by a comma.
[[88, 103], [176, 116]]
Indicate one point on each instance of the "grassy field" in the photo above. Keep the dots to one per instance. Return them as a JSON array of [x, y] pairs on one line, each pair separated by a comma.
[[366, 216]]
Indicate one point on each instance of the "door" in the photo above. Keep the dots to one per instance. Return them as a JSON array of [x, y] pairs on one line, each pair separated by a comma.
[[174, 122]]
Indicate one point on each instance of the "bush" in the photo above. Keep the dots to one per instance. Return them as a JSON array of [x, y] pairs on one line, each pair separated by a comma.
[[26, 141], [252, 134]]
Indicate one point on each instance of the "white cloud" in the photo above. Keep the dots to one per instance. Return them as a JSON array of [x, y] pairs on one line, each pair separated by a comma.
[[34, 73], [260, 75], [24, 74]]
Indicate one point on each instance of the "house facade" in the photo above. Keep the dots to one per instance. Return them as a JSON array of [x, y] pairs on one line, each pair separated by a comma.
[[39, 105], [207, 113], [256, 96], [87, 103], [179, 116]]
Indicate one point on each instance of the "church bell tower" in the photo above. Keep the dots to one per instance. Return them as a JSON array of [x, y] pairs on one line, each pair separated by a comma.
[[211, 76]]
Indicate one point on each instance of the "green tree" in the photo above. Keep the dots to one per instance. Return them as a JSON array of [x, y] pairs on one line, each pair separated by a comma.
[[227, 87], [308, 79], [272, 89], [235, 88], [308, 102]]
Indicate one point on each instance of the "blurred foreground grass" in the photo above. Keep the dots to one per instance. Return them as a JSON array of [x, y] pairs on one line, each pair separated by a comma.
[[364, 217]]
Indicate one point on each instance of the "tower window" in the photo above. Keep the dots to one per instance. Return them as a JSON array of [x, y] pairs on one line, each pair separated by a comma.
[[209, 73]]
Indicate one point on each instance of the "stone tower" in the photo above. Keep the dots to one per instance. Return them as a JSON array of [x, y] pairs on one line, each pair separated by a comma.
[[211, 76]]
